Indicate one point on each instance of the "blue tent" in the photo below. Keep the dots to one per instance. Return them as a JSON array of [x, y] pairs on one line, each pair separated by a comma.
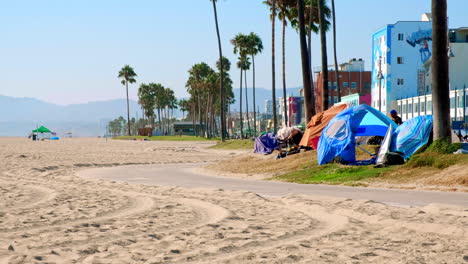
[[265, 144], [339, 136], [411, 135]]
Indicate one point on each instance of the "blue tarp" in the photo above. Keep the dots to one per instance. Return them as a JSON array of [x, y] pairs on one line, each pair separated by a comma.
[[339, 136], [265, 144], [411, 135]]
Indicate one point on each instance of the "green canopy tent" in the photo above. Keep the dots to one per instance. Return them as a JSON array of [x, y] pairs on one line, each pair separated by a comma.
[[42, 129]]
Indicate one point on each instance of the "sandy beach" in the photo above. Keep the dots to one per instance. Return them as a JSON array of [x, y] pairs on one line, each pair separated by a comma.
[[49, 214]]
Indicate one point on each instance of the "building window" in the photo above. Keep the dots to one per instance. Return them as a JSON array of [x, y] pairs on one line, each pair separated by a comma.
[[466, 101], [410, 107], [353, 85], [367, 86], [416, 108], [335, 85], [399, 60], [429, 106], [452, 102], [345, 84], [400, 81], [329, 85], [400, 37], [403, 109], [466, 38], [423, 107]]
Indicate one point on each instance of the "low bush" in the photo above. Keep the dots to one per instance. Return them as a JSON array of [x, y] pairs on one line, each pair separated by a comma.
[[443, 146]]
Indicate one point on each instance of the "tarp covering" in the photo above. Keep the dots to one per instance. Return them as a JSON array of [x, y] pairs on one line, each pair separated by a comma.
[[42, 129], [339, 136], [316, 125], [265, 144], [412, 135]]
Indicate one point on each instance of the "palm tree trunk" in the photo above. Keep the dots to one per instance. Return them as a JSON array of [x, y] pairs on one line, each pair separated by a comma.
[[221, 88], [323, 42], [240, 106], [440, 71], [308, 93], [128, 109], [159, 118], [247, 102], [285, 111], [337, 73], [273, 80], [253, 81], [309, 36]]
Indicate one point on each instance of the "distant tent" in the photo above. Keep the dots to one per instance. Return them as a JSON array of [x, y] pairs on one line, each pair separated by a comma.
[[42, 129], [316, 125], [412, 135], [265, 144], [339, 136]]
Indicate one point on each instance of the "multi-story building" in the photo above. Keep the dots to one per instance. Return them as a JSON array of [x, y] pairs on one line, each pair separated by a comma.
[[398, 56], [353, 79], [421, 104], [269, 107]]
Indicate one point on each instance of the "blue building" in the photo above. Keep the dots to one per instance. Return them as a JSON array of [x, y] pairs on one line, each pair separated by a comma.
[[399, 52]]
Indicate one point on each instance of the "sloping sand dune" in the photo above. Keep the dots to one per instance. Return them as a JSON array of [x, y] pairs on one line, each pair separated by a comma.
[[50, 215]]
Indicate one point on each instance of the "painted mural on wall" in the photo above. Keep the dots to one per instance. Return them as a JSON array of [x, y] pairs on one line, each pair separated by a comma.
[[421, 39]]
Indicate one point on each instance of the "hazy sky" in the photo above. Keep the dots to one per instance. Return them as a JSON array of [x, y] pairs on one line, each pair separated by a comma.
[[70, 51]]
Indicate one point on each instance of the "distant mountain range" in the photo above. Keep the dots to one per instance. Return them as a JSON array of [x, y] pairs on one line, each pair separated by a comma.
[[18, 116]]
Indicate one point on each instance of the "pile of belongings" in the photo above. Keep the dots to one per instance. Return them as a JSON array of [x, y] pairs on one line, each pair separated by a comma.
[[266, 144], [289, 139]]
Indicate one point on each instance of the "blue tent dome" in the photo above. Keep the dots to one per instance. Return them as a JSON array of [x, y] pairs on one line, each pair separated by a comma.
[[339, 136]]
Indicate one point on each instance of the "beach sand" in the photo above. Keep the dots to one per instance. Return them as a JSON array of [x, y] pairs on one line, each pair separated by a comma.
[[48, 214]]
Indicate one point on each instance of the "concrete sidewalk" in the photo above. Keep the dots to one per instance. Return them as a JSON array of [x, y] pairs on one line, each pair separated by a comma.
[[182, 175]]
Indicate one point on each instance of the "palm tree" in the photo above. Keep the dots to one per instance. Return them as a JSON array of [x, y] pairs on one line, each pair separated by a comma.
[[283, 14], [254, 47], [221, 88], [245, 66], [306, 72], [440, 73], [323, 42], [127, 74], [337, 76], [240, 47], [273, 7]]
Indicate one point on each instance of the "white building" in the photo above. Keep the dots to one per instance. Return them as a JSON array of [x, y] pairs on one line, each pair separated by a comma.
[[399, 53], [458, 77]]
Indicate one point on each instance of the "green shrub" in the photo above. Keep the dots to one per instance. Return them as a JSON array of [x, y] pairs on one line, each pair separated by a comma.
[[443, 146]]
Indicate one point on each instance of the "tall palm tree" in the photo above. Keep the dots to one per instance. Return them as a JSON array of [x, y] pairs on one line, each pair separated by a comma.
[[245, 64], [337, 76], [440, 73], [306, 72], [323, 42], [283, 15], [254, 47], [221, 88], [241, 117], [240, 43], [127, 74], [273, 79]]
